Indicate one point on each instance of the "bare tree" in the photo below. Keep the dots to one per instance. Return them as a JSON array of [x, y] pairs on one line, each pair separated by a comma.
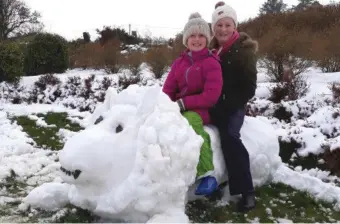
[[16, 18], [303, 4], [272, 7], [86, 37]]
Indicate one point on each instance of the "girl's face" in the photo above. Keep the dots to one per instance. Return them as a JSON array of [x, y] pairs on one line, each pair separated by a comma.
[[224, 29], [197, 42]]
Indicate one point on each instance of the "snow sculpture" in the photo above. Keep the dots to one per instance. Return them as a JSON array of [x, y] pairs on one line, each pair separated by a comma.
[[136, 160]]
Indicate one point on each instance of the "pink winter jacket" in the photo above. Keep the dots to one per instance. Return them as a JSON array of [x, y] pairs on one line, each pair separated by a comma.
[[196, 78]]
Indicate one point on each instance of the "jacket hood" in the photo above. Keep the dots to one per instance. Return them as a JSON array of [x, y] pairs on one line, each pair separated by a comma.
[[245, 42]]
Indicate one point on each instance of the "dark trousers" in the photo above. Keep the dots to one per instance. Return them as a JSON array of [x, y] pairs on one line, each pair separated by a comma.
[[235, 153]]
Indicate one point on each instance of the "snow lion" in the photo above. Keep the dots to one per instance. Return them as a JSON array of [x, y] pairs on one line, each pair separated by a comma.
[[136, 159]]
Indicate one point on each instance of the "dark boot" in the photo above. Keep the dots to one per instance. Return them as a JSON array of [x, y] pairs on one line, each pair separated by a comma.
[[247, 203]]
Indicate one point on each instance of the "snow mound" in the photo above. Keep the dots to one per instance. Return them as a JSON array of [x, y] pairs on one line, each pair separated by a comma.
[[136, 160], [305, 182]]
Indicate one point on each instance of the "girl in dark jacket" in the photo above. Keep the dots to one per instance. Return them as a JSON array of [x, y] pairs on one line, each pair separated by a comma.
[[237, 52]]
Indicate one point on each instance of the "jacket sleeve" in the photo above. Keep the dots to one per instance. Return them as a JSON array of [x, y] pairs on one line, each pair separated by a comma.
[[170, 84], [247, 73], [249, 70], [211, 91]]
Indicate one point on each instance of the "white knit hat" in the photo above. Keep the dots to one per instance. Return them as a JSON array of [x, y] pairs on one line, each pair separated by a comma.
[[223, 11], [196, 24]]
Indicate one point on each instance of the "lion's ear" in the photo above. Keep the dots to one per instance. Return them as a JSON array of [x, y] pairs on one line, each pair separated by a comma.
[[110, 98], [149, 100], [101, 109]]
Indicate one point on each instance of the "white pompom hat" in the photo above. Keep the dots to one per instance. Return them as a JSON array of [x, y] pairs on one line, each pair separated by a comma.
[[196, 24], [223, 10]]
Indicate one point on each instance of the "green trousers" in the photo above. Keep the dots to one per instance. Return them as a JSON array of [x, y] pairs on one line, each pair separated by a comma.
[[205, 163]]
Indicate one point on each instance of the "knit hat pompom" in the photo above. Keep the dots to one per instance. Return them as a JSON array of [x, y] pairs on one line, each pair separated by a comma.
[[219, 4], [196, 24], [195, 15]]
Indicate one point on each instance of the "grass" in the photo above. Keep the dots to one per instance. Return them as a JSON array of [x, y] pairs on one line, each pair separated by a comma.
[[274, 201], [69, 214], [12, 186], [77, 215], [46, 137]]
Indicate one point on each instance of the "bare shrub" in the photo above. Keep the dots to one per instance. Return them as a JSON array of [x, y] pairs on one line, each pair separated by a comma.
[[293, 88], [87, 91], [329, 64], [106, 83], [283, 67], [335, 88], [332, 160], [297, 87], [177, 46], [97, 56], [111, 57], [278, 93], [283, 114], [283, 48], [126, 80], [274, 67], [314, 20], [296, 65], [315, 32], [87, 56], [133, 62], [159, 58], [326, 50]]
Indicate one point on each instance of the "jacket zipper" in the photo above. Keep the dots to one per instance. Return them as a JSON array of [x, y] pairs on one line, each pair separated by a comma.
[[186, 80], [186, 76]]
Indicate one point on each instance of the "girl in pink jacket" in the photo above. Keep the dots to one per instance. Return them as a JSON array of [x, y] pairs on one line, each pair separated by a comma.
[[195, 83]]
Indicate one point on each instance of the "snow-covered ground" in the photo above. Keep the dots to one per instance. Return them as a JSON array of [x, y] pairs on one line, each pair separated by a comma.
[[315, 124], [315, 121]]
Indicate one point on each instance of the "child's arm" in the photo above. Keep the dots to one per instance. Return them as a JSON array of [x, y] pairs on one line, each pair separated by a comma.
[[170, 85], [212, 88]]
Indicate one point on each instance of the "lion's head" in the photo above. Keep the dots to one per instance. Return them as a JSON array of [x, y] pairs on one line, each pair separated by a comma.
[[138, 155]]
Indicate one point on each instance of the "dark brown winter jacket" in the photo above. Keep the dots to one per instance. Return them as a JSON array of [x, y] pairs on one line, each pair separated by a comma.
[[239, 73]]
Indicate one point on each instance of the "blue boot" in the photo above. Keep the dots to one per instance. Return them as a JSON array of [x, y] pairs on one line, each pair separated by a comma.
[[207, 186]]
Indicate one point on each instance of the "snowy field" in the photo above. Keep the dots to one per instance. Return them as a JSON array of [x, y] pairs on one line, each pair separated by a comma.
[[35, 122]]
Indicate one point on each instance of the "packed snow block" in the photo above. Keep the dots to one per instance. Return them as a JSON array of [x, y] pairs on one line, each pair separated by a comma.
[[136, 159], [261, 141]]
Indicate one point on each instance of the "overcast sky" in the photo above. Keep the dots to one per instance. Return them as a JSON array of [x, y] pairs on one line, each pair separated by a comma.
[[70, 18]]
